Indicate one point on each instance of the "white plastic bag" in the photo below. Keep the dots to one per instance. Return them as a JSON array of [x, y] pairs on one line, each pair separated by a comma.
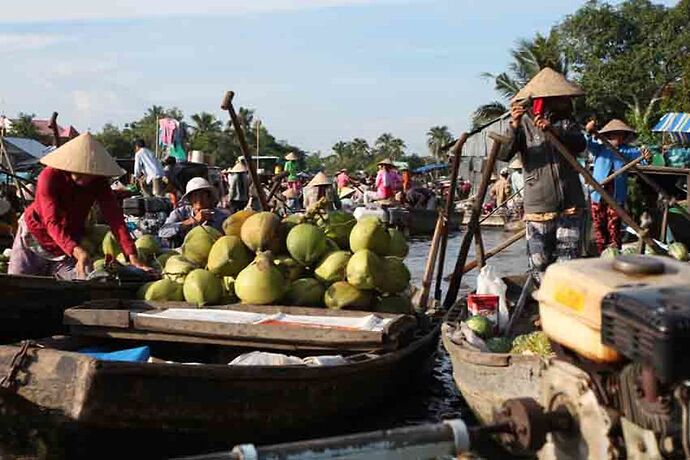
[[488, 282]]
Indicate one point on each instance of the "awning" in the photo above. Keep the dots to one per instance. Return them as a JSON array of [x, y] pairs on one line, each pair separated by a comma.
[[677, 125], [23, 152], [431, 167]]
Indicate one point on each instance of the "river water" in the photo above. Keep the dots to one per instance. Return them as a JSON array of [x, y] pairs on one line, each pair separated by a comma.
[[432, 401]]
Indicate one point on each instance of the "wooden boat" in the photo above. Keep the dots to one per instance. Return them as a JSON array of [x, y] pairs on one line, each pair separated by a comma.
[[486, 380], [221, 404], [32, 306]]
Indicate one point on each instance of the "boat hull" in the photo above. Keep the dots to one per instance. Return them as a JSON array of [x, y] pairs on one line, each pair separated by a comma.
[[32, 306], [227, 404]]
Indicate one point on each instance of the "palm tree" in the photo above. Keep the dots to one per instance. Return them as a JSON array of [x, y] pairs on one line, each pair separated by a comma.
[[382, 145], [488, 112], [205, 122], [437, 137], [397, 148], [341, 150], [360, 148]]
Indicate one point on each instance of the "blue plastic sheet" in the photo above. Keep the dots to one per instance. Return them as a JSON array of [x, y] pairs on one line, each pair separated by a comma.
[[133, 355]]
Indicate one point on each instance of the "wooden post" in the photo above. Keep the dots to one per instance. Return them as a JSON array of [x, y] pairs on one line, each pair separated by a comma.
[[479, 246], [420, 303], [447, 213], [664, 224], [227, 105], [625, 217], [456, 278]]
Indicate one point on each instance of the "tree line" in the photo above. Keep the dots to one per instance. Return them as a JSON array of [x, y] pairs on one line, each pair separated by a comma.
[[630, 58]]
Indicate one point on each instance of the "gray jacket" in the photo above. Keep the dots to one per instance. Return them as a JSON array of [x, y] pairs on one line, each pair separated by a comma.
[[551, 184]]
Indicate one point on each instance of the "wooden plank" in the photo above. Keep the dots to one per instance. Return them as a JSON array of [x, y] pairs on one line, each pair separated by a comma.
[[97, 317], [152, 336], [259, 332]]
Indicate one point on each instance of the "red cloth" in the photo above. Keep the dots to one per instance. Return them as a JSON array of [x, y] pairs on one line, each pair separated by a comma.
[[57, 217]]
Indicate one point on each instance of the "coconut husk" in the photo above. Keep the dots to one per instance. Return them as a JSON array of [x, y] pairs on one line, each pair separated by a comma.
[[319, 179], [548, 83], [83, 155], [616, 125]]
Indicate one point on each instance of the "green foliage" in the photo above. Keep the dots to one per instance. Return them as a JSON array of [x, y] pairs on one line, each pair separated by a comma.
[[22, 126], [119, 144], [437, 137]]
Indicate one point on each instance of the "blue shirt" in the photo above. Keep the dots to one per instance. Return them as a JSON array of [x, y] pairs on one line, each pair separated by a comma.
[[146, 164], [606, 162], [173, 225]]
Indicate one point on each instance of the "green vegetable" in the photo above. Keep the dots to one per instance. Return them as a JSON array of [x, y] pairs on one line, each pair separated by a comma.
[[536, 343], [481, 325], [678, 251], [610, 253], [499, 344]]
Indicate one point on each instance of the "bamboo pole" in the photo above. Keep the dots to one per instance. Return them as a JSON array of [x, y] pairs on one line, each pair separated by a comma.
[[447, 213], [456, 278], [420, 302], [625, 217]]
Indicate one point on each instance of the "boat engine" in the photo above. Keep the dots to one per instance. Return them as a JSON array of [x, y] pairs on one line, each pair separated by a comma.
[[146, 215], [622, 370]]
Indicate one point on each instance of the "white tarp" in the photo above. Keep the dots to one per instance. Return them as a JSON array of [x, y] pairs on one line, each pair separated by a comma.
[[366, 322]]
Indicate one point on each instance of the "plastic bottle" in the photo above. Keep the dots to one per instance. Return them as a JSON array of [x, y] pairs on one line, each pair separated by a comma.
[[488, 282]]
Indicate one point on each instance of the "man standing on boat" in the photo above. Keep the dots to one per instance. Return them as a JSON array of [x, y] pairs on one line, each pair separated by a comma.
[[238, 187], [148, 171], [553, 198], [50, 230], [607, 223]]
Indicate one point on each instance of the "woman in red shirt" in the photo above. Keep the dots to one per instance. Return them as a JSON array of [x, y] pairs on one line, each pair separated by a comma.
[[50, 230]]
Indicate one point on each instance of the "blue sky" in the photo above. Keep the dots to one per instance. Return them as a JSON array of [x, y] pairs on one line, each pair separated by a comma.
[[316, 71]]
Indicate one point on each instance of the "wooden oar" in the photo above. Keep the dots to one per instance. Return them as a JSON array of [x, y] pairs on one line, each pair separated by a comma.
[[421, 297], [456, 278]]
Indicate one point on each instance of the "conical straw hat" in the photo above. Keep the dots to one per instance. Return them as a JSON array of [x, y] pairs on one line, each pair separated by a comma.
[[548, 83], [84, 155], [319, 179], [616, 125], [516, 163], [239, 167], [291, 156], [386, 161]]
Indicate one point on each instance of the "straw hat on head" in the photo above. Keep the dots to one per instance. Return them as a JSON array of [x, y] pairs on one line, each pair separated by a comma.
[[83, 155], [291, 156], [516, 163], [386, 161], [290, 193], [199, 183], [494, 176], [617, 125], [345, 192], [319, 179], [4, 206], [548, 83], [239, 167]]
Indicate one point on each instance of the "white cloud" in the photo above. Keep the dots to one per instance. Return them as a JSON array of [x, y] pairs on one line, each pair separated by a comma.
[[14, 42], [66, 10]]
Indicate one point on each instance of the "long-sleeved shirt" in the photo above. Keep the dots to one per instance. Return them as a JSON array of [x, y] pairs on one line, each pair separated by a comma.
[[57, 217], [146, 164], [606, 162], [386, 183], [173, 227], [238, 187]]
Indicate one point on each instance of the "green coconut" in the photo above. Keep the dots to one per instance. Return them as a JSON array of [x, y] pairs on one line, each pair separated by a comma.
[[364, 269], [260, 231], [177, 268], [610, 253], [306, 292], [260, 282], [289, 267], [122, 258], [198, 243], [397, 304], [332, 267], [396, 278], [164, 290], [110, 245], [147, 246], [201, 287], [141, 292], [678, 251], [99, 265], [370, 234], [306, 243], [337, 225], [233, 224], [629, 251], [398, 244], [162, 258], [228, 256], [343, 295]]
